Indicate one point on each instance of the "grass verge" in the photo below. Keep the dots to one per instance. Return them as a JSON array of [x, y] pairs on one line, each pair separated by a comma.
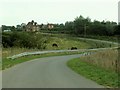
[[100, 75]]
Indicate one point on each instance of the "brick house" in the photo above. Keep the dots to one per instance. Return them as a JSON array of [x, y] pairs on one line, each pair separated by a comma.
[[50, 26], [32, 26]]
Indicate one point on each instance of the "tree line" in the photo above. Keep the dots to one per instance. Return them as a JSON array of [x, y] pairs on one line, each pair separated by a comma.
[[84, 26], [81, 26]]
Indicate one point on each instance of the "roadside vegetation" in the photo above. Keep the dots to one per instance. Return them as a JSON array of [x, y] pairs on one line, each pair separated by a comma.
[[44, 41], [19, 42], [23, 40], [102, 67], [39, 41]]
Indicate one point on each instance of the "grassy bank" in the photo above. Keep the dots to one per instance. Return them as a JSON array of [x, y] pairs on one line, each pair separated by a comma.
[[106, 38], [66, 43], [100, 67], [63, 41]]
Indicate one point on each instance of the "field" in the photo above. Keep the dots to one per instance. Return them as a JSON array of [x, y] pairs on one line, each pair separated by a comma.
[[64, 42], [101, 67]]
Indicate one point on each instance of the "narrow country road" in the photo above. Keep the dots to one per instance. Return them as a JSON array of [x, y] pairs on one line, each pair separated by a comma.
[[48, 72]]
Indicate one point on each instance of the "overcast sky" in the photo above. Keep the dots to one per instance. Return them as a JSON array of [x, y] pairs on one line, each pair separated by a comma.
[[15, 12]]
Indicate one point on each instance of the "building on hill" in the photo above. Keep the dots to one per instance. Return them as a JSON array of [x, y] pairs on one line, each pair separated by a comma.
[[43, 26], [32, 26], [50, 26], [46, 26]]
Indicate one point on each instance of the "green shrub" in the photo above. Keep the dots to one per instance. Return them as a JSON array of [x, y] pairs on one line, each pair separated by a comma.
[[23, 39]]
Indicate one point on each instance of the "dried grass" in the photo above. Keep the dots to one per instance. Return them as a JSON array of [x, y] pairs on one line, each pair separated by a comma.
[[107, 59]]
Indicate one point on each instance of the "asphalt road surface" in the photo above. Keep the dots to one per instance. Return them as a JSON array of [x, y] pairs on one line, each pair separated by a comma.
[[48, 72]]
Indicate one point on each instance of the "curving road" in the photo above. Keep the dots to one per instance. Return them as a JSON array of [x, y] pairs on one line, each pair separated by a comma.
[[48, 72]]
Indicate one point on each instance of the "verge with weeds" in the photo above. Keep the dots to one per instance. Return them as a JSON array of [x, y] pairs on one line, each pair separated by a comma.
[[99, 67]]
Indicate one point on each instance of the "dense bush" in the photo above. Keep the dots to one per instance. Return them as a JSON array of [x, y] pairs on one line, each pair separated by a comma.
[[23, 39], [117, 30]]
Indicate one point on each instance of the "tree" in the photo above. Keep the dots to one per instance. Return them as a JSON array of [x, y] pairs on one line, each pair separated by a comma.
[[80, 24], [69, 27], [13, 28], [110, 27], [117, 30]]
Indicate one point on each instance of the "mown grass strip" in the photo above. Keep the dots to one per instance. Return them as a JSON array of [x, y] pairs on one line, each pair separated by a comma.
[[101, 76]]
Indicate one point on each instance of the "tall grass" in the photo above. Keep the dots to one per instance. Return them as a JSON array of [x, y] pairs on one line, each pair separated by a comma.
[[102, 67], [107, 59]]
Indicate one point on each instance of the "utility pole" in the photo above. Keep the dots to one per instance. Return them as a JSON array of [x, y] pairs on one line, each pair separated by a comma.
[[85, 31], [85, 28]]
